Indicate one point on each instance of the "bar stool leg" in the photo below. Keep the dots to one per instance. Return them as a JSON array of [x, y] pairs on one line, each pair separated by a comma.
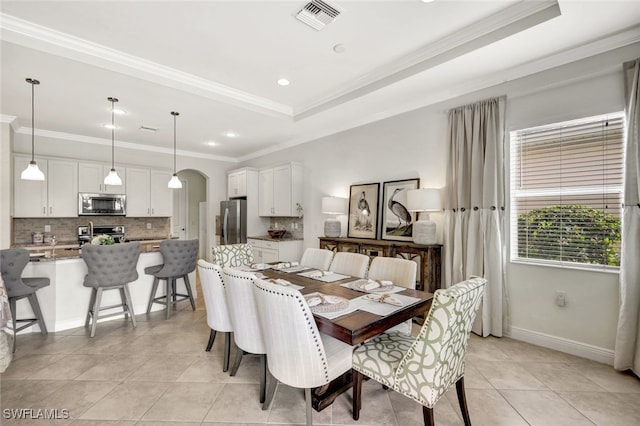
[[189, 292], [212, 339], [168, 295], [12, 308], [129, 305], [154, 288], [92, 302], [123, 298], [96, 309], [35, 306]]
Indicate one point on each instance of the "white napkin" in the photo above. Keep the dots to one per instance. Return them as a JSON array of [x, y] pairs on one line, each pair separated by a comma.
[[373, 284], [281, 282], [318, 274], [283, 265], [384, 298], [321, 299]]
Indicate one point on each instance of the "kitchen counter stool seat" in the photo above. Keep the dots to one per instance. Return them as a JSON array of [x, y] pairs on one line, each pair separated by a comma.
[[12, 264], [179, 260], [110, 267]]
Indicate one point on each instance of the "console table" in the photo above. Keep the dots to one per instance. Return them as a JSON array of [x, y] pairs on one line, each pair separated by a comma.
[[428, 257]]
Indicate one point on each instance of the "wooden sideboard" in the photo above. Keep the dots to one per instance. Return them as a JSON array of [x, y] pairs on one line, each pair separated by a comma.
[[428, 257]]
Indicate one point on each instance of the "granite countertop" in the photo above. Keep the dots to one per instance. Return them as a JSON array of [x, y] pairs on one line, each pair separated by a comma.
[[42, 252], [287, 237]]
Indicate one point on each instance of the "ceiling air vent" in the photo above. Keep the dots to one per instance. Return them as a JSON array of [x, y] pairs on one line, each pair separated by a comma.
[[318, 13]]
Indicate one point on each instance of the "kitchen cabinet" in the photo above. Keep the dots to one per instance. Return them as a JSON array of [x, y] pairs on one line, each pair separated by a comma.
[[91, 179], [239, 182], [148, 194], [56, 196], [265, 251], [280, 190]]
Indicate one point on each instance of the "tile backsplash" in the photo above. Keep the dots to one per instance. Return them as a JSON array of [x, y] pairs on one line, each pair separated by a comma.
[[66, 229], [292, 224]]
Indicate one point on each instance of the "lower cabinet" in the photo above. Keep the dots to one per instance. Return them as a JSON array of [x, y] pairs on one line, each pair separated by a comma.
[[265, 251]]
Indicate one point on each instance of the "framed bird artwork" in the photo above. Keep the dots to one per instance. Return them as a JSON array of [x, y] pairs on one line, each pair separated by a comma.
[[397, 221], [363, 211]]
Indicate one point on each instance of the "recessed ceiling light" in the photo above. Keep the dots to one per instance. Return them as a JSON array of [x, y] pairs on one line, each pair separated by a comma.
[[211, 143], [109, 126], [339, 48], [119, 111], [283, 82], [427, 1], [231, 134]]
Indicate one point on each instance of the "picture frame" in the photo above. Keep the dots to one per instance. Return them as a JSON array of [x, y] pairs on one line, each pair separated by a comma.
[[363, 211], [397, 221]]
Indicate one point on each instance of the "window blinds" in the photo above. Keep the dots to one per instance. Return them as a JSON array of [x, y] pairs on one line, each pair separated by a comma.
[[566, 191]]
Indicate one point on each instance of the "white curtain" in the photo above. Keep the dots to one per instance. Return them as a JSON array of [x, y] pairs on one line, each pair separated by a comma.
[[474, 206], [627, 352]]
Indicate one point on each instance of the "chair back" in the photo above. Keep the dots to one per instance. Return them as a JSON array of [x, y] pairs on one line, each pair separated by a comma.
[[110, 265], [233, 255], [435, 361], [401, 271], [295, 352], [179, 257], [12, 264], [243, 312], [353, 264], [317, 258], [215, 298]]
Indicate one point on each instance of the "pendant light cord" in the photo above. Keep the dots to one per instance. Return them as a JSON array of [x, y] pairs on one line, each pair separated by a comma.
[[32, 122], [175, 114], [113, 128]]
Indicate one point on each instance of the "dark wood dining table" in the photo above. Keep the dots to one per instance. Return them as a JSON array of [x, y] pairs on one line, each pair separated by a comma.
[[352, 328]]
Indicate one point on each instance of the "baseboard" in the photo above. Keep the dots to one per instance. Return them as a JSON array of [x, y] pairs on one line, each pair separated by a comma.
[[572, 347]]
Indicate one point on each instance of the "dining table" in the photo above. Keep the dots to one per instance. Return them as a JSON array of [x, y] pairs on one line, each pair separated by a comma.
[[354, 326]]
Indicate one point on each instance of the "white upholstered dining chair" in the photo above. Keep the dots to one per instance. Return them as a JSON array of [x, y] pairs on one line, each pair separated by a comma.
[[299, 356], [317, 258], [401, 272], [423, 368], [352, 264], [215, 302]]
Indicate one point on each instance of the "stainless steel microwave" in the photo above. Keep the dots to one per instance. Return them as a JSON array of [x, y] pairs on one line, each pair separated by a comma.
[[101, 204]]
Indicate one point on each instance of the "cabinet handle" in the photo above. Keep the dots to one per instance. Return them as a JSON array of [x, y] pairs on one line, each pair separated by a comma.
[[50, 209], [148, 210], [153, 211]]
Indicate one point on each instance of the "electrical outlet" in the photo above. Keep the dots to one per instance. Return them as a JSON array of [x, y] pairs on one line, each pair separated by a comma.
[[561, 298], [47, 228], [148, 226]]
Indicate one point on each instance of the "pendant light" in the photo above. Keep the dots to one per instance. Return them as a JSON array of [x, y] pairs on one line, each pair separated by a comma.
[[112, 178], [174, 183], [32, 172]]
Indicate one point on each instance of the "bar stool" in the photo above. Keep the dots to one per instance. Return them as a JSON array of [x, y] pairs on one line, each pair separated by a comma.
[[110, 267], [12, 263], [179, 257]]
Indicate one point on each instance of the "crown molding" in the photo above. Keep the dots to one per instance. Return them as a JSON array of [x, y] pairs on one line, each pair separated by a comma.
[[29, 34], [120, 144]]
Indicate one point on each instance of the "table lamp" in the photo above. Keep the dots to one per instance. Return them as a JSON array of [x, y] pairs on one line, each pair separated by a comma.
[[333, 206], [424, 200]]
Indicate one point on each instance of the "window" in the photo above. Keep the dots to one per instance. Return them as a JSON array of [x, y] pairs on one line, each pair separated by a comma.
[[566, 192]]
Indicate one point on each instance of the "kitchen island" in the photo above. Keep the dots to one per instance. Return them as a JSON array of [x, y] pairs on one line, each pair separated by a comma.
[[65, 301]]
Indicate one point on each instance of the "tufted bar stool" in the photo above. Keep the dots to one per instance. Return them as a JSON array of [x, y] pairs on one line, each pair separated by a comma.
[[179, 259], [12, 263], [110, 267]]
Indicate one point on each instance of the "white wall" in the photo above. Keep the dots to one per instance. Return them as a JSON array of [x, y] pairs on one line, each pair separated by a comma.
[[6, 179]]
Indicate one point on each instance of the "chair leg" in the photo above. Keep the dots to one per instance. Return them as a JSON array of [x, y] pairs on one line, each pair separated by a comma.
[[357, 393], [236, 363], [271, 389], [189, 292], [129, 303], [12, 308], [212, 338], [124, 307], [167, 288], [35, 306], [92, 302], [427, 414], [462, 400], [96, 310], [227, 351], [307, 402], [174, 290], [263, 377], [154, 288]]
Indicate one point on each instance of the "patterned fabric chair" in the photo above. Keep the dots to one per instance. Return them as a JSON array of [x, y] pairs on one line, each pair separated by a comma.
[[110, 267], [424, 367], [402, 272], [12, 263], [353, 264], [233, 255], [243, 312], [299, 356], [179, 257], [215, 302], [317, 258]]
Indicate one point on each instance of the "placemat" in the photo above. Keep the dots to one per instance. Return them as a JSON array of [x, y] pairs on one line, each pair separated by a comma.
[[327, 276], [357, 286], [384, 309]]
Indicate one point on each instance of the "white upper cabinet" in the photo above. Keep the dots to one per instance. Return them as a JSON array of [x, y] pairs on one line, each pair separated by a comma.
[[161, 202], [56, 196], [237, 183], [281, 190], [148, 194], [91, 179]]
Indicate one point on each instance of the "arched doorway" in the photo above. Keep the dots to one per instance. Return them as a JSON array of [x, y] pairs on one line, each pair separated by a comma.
[[189, 208]]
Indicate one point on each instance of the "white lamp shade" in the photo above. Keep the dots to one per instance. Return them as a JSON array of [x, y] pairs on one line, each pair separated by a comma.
[[32, 172], [424, 200], [174, 183], [334, 205], [113, 178]]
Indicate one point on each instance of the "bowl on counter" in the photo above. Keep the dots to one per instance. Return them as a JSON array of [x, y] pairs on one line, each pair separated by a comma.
[[277, 233]]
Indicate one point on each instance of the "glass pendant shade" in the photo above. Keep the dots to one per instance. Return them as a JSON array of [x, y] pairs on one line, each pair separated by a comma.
[[32, 172], [174, 183], [113, 178]]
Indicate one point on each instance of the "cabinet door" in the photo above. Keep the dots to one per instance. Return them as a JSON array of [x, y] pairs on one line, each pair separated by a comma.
[[282, 191], [29, 197], [266, 193], [256, 249], [232, 185], [161, 202], [138, 187], [62, 186], [90, 177], [237, 184], [269, 255]]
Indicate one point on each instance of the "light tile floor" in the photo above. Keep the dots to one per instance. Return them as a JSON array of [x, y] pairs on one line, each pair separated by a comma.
[[159, 374]]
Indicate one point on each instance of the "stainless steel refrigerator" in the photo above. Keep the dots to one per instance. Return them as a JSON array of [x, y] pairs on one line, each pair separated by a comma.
[[233, 221]]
